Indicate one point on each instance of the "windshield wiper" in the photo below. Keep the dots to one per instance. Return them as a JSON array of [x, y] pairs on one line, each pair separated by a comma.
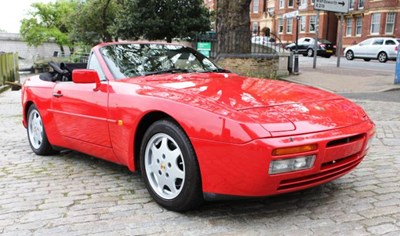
[[174, 70]]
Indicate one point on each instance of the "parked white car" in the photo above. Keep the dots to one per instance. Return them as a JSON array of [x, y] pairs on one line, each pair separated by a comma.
[[382, 49]]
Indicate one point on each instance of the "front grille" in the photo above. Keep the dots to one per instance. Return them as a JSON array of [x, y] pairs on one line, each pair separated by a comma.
[[329, 171], [347, 140]]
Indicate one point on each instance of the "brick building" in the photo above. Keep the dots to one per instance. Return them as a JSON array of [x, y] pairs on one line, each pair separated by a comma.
[[366, 18], [262, 16], [286, 24], [371, 18]]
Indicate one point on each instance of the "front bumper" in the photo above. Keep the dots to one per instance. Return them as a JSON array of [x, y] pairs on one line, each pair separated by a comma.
[[242, 170]]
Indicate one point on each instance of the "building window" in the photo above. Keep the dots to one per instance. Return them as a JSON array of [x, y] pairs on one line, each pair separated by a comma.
[[349, 27], [255, 28], [281, 4], [375, 23], [358, 26], [280, 25], [302, 24], [313, 21], [360, 4], [255, 6], [291, 3], [289, 25], [351, 4], [390, 19]]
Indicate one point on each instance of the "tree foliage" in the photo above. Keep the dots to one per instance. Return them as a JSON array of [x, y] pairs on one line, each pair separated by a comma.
[[49, 21], [94, 21], [162, 19]]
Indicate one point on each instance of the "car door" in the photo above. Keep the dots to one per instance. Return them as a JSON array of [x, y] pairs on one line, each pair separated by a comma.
[[360, 50], [303, 46], [390, 48], [80, 110], [373, 50]]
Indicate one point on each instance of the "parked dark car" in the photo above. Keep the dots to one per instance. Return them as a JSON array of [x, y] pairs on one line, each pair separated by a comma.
[[306, 47]]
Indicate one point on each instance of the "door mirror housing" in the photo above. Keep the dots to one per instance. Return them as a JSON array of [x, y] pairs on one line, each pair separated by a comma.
[[85, 76]]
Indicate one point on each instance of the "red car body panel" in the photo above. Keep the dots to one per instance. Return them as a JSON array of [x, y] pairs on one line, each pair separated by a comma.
[[233, 122]]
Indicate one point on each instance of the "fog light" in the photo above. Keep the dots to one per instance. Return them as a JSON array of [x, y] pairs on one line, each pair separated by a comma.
[[291, 164]]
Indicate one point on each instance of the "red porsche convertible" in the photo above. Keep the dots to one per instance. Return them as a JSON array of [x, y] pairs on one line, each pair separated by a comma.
[[195, 131]]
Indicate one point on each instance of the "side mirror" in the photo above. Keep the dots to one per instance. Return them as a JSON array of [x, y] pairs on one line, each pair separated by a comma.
[[85, 76]]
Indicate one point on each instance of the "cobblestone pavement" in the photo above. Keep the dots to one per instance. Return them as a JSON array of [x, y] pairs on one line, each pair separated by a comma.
[[74, 194]]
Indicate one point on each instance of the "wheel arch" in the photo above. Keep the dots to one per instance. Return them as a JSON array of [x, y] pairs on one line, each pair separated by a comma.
[[143, 125], [28, 104]]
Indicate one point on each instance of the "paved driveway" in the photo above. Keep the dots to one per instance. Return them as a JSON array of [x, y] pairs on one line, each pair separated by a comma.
[[74, 194]]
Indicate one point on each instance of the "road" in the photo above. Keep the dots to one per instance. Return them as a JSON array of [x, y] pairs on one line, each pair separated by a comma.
[[384, 69], [373, 65]]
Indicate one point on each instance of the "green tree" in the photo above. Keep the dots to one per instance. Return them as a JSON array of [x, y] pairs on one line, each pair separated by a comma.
[[162, 19], [233, 26], [49, 21], [94, 21]]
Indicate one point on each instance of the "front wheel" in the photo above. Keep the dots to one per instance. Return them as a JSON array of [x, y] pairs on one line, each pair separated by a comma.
[[36, 133], [169, 167]]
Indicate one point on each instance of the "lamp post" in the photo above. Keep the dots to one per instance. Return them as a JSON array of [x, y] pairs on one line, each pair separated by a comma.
[[296, 52]]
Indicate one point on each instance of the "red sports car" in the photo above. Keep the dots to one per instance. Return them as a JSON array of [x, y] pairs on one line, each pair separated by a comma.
[[194, 130]]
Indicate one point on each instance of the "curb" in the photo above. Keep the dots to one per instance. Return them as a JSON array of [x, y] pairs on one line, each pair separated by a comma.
[[4, 88]]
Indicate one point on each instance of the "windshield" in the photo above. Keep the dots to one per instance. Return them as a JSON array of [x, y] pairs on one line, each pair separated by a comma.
[[130, 60]]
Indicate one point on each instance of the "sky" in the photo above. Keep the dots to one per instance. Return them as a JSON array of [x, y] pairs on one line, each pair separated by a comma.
[[12, 12]]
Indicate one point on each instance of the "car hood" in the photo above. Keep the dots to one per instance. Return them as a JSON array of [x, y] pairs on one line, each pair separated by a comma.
[[278, 106]]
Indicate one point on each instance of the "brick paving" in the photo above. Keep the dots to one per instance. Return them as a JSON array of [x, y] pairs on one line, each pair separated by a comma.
[[75, 194]]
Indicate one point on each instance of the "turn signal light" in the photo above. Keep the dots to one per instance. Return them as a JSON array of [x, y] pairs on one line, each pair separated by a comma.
[[294, 150]]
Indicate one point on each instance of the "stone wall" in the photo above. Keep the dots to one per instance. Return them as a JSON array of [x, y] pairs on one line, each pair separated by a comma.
[[253, 65], [13, 43]]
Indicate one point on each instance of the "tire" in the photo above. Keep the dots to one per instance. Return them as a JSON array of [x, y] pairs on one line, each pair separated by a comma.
[[349, 55], [37, 133], [382, 57], [367, 59], [310, 52], [169, 167]]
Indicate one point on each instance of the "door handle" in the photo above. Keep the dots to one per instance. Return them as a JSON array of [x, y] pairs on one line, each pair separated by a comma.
[[57, 94]]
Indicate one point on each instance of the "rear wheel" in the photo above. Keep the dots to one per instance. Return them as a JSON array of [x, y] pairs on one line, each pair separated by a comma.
[[382, 57], [36, 133], [349, 55], [169, 167]]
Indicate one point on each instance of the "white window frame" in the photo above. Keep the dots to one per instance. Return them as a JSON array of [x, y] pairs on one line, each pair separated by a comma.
[[280, 25], [254, 27], [281, 4], [289, 25], [351, 5], [392, 17], [290, 6], [349, 27], [361, 4], [313, 19], [302, 24], [359, 23], [375, 23], [256, 6]]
